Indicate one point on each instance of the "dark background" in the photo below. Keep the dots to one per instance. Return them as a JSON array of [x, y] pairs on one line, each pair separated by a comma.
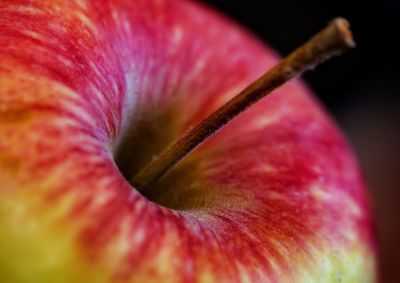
[[359, 89]]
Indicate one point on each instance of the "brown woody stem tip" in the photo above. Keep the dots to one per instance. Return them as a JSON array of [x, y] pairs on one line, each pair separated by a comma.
[[332, 40]]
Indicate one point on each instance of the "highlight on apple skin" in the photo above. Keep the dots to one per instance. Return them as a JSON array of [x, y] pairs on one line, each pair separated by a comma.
[[90, 89]]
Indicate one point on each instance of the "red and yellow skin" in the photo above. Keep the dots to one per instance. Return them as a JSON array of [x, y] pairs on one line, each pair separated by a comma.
[[275, 196]]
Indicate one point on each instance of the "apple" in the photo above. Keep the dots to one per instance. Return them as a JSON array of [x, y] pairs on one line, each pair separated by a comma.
[[92, 91]]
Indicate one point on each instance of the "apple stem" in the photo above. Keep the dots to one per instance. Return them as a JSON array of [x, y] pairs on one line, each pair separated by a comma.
[[332, 40]]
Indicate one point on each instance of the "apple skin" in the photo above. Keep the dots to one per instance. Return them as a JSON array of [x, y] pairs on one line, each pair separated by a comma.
[[275, 196]]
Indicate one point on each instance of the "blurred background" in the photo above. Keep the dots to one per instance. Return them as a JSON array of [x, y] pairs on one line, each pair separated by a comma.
[[359, 89]]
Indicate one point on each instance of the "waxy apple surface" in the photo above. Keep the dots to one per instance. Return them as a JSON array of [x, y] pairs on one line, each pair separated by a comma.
[[275, 196]]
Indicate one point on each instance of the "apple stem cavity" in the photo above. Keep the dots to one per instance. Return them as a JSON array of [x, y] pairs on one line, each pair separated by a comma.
[[332, 40]]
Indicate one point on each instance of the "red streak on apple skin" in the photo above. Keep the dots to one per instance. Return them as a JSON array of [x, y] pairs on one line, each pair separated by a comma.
[[278, 182]]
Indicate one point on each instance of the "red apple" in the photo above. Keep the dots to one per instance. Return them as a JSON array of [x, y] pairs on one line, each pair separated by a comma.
[[275, 196]]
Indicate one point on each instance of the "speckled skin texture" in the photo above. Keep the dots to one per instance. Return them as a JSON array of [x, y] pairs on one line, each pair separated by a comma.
[[275, 196]]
